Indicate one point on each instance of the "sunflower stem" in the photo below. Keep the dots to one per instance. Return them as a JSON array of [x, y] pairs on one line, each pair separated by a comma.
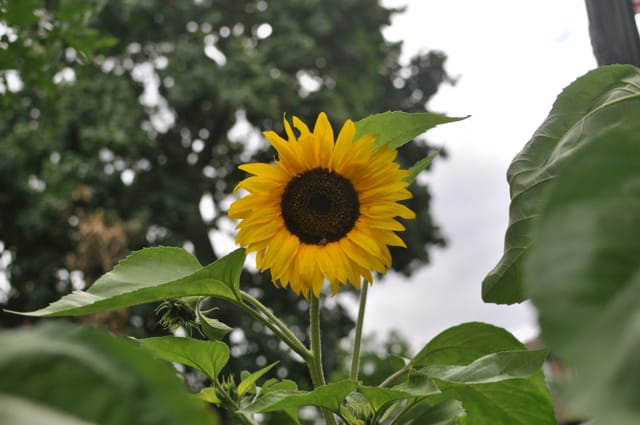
[[315, 366], [355, 360], [264, 315]]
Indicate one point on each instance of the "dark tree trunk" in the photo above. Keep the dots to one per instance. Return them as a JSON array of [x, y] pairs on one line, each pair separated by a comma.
[[613, 31]]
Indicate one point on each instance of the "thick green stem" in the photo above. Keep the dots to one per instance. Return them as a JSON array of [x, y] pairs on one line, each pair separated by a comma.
[[258, 311], [355, 360], [315, 366]]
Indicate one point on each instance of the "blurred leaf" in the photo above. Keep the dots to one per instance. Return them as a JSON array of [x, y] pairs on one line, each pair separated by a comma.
[[329, 396], [209, 357], [20, 411], [541, 160], [149, 275], [21, 12], [209, 395], [583, 272], [395, 128], [90, 376], [250, 381]]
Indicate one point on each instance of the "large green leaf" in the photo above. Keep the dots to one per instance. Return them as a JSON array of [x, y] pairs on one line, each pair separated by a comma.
[[149, 275], [209, 357], [584, 270], [84, 376], [465, 343], [466, 360], [492, 367], [395, 128], [574, 114], [510, 402], [329, 396], [418, 385]]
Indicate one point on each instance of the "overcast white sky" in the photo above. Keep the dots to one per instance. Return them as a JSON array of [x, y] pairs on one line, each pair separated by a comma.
[[512, 58]]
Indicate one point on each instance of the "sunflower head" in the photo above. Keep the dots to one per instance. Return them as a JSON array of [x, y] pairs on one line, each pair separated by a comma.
[[326, 208]]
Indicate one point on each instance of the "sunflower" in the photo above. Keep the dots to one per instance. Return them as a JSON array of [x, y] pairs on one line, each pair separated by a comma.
[[325, 209]]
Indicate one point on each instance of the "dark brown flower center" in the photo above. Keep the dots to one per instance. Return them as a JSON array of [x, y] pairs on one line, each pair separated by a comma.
[[320, 206]]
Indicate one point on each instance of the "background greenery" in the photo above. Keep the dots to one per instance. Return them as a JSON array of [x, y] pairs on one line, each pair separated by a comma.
[[124, 120]]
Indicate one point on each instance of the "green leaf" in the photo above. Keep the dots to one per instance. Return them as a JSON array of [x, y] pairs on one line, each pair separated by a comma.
[[463, 344], [584, 270], [84, 376], [209, 357], [492, 367], [472, 355], [510, 402], [272, 385], [329, 396], [395, 128], [420, 166], [250, 381], [357, 409], [150, 275], [574, 114], [209, 395], [447, 412], [213, 329], [418, 385], [20, 411], [20, 13]]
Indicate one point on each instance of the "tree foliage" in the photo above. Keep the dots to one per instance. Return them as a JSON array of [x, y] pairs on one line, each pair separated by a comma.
[[131, 113]]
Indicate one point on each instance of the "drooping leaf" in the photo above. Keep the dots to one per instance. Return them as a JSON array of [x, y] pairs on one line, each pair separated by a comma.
[[395, 128], [209, 357], [91, 377], [329, 396], [583, 272], [149, 275], [574, 114]]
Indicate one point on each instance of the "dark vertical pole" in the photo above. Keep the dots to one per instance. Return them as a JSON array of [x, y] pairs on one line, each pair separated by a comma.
[[613, 31]]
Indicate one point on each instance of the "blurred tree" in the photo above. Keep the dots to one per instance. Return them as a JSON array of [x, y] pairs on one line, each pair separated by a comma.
[[106, 153], [379, 358]]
